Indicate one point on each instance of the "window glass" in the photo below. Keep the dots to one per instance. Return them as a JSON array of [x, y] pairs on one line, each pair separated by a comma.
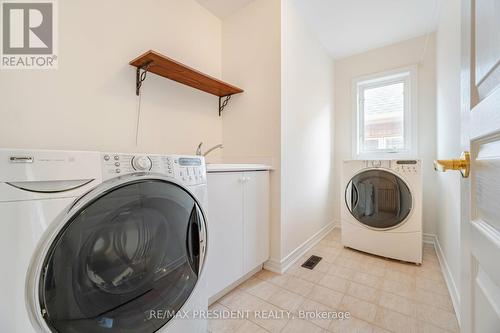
[[383, 114]]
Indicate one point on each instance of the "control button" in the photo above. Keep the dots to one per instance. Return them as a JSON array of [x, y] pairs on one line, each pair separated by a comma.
[[141, 163], [106, 157], [118, 170], [117, 163], [117, 157]]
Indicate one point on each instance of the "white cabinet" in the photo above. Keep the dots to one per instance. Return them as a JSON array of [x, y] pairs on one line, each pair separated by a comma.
[[238, 226], [255, 219]]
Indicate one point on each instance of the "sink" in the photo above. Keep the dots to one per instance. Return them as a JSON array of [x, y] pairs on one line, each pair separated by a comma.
[[221, 167]]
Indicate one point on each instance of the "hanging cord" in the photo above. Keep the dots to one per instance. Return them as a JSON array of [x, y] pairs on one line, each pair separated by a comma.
[[139, 85], [428, 37]]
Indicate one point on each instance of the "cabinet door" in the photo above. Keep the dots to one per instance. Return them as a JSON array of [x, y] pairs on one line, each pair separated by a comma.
[[225, 230], [255, 219]]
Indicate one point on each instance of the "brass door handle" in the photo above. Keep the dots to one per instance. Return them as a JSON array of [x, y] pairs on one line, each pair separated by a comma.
[[462, 164]]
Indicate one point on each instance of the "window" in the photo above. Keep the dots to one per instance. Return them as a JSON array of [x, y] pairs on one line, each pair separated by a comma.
[[385, 111]]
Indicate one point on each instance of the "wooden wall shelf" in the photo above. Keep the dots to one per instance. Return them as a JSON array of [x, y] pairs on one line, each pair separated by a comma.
[[159, 64]]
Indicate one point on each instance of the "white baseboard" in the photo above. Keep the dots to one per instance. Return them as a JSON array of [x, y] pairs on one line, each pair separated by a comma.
[[445, 268], [289, 260], [429, 238]]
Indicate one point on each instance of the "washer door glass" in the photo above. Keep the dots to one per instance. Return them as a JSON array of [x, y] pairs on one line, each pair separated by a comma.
[[131, 252], [378, 199]]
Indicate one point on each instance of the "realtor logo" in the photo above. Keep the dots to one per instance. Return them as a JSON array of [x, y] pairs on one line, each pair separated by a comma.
[[28, 34]]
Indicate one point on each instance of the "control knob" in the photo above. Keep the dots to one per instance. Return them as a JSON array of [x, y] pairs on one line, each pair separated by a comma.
[[141, 163]]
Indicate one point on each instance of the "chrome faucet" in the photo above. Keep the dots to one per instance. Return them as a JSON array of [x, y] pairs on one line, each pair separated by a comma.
[[199, 153], [198, 150]]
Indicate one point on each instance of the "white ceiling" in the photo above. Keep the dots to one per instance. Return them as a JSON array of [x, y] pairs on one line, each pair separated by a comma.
[[347, 27], [223, 8]]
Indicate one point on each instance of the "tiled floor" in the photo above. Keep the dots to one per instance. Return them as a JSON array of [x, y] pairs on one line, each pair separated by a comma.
[[381, 295]]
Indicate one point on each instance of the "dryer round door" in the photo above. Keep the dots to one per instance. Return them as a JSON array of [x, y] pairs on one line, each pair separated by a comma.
[[129, 247], [378, 199]]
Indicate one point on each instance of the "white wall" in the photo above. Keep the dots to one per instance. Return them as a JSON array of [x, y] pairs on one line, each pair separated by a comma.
[[402, 54], [448, 132], [251, 59], [306, 131], [90, 103]]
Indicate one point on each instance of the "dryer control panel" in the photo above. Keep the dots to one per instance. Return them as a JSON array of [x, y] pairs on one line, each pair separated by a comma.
[[190, 170]]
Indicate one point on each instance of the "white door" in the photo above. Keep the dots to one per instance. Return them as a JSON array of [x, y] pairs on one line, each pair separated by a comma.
[[480, 222], [255, 219]]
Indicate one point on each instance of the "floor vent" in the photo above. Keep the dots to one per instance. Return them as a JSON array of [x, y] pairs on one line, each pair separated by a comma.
[[311, 262]]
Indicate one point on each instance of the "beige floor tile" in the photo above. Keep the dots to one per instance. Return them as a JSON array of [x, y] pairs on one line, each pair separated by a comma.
[[326, 296], [309, 310], [249, 327], [398, 303], [359, 308], [306, 274], [269, 316], [431, 274], [363, 292], [381, 294], [431, 285], [407, 268], [298, 286], [395, 275], [424, 327], [367, 279], [399, 288], [353, 325], [274, 278], [341, 271], [334, 282], [349, 263], [237, 299], [301, 326], [259, 288], [286, 300], [373, 269], [323, 267], [437, 317], [440, 301], [395, 322], [222, 325]]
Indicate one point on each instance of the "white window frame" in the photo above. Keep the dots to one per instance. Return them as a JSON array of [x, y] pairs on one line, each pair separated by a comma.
[[408, 75]]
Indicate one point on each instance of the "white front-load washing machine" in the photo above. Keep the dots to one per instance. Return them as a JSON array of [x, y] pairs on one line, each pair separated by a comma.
[[381, 210], [97, 242]]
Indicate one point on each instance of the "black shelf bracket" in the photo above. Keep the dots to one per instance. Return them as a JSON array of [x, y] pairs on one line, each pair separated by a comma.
[[141, 76], [223, 103]]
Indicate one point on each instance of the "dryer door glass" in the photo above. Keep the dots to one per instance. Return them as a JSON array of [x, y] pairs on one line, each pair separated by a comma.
[[127, 262], [378, 199]]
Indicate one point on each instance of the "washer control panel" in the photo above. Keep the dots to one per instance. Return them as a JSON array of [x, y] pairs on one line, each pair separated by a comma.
[[190, 170], [404, 167]]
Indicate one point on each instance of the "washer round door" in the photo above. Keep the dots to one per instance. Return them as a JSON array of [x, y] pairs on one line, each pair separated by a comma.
[[378, 199], [130, 247]]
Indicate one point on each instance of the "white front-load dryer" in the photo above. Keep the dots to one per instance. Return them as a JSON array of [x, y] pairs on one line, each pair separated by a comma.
[[125, 254], [381, 210]]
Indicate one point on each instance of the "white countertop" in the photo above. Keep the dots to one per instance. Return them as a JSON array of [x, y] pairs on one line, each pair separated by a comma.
[[219, 167]]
